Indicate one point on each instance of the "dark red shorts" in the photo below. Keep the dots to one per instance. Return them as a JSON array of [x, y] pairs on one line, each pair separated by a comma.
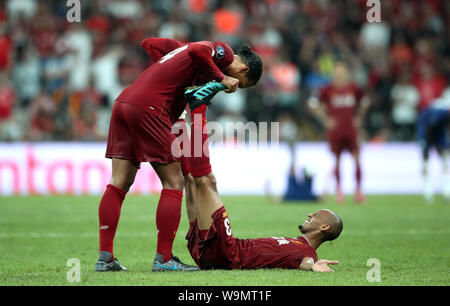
[[343, 140], [139, 136], [218, 250]]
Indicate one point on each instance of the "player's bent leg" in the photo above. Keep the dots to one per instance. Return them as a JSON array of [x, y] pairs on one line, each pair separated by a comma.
[[207, 200], [189, 187]]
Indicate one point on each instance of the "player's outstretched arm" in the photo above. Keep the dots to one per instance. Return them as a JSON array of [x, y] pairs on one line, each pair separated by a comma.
[[362, 110], [318, 111], [308, 264]]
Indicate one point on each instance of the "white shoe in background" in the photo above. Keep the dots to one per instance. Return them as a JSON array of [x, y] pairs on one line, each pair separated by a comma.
[[447, 186], [428, 191]]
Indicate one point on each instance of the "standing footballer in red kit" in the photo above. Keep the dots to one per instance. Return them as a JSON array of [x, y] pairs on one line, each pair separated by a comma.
[[341, 107], [140, 131]]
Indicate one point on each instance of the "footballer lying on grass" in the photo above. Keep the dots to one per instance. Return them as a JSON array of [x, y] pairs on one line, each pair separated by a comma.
[[216, 248], [210, 240]]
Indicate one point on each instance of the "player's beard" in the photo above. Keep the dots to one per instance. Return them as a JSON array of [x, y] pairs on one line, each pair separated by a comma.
[[302, 229], [305, 228]]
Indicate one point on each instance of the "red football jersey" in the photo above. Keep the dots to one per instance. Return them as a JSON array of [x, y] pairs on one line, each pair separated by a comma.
[[341, 104], [274, 252], [6, 102], [160, 88]]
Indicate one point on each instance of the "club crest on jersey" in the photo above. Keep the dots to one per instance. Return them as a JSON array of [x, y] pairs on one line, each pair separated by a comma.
[[220, 52]]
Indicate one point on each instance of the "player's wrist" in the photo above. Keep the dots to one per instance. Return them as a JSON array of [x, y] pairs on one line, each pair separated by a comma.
[[307, 264], [220, 78]]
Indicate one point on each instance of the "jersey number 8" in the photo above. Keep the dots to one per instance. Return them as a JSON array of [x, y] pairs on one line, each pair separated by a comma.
[[226, 222]]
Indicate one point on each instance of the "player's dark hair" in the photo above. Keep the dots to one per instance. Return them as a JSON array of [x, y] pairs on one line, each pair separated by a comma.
[[253, 61], [335, 229]]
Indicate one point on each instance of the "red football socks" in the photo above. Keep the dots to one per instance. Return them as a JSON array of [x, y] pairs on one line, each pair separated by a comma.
[[358, 177], [337, 175], [108, 216], [168, 215], [199, 161]]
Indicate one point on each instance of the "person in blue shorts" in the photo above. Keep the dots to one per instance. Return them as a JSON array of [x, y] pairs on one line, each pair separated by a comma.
[[432, 132]]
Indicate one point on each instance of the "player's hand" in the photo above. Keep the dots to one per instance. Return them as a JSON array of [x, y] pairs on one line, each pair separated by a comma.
[[330, 124], [357, 122], [322, 265], [230, 83]]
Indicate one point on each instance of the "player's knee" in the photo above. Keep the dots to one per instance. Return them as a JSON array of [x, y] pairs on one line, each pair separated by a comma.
[[122, 182], [189, 180], [206, 181], [176, 182]]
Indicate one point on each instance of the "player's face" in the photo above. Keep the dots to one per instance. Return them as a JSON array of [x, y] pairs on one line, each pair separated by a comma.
[[238, 70], [340, 75], [244, 82], [311, 223]]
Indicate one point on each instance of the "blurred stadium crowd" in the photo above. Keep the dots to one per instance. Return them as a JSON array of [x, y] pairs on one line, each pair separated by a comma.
[[58, 80]]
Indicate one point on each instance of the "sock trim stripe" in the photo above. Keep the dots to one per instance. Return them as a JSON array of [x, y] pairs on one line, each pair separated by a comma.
[[121, 192], [177, 194]]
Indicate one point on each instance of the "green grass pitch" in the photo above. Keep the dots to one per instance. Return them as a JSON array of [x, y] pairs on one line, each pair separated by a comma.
[[40, 234]]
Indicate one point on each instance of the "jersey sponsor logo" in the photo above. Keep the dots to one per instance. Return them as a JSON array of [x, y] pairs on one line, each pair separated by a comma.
[[220, 52], [339, 101], [281, 240]]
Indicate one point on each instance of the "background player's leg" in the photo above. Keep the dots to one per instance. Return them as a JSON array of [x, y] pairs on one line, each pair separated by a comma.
[[123, 174], [442, 149], [358, 177], [168, 213], [445, 161], [443, 155], [337, 175], [428, 188]]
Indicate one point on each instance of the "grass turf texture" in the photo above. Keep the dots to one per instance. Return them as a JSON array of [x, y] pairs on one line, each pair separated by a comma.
[[39, 234]]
